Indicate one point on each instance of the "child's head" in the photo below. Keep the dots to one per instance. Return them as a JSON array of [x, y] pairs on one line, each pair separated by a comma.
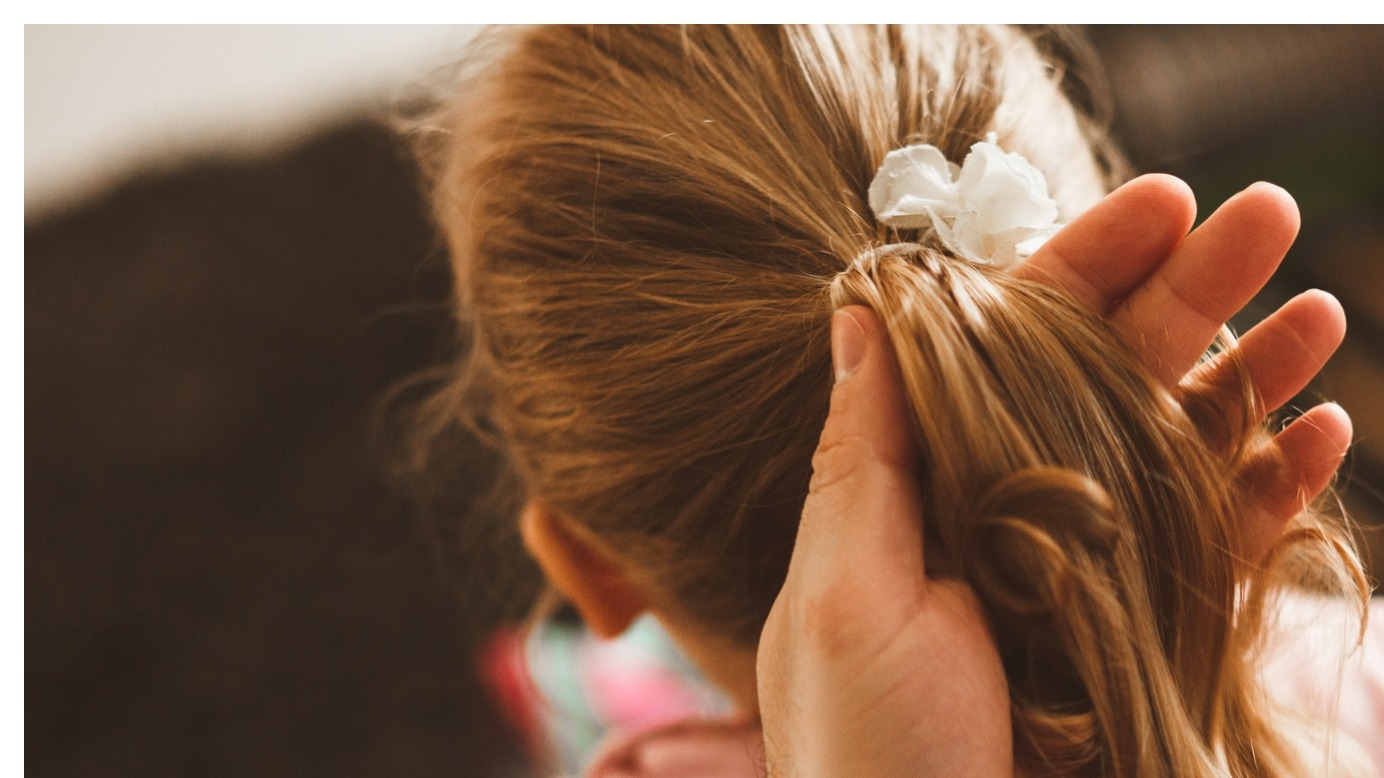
[[651, 228], [645, 223]]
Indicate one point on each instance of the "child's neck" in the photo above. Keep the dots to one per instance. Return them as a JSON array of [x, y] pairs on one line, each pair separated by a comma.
[[729, 665]]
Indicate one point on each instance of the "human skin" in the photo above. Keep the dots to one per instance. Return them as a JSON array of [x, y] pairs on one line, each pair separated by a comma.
[[1168, 292], [913, 684]]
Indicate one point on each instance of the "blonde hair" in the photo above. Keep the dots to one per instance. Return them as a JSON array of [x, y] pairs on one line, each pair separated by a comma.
[[650, 228]]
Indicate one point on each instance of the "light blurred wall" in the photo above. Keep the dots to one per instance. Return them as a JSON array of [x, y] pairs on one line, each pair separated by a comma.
[[100, 101]]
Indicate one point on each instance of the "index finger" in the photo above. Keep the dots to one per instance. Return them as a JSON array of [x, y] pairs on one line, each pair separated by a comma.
[[1110, 250]]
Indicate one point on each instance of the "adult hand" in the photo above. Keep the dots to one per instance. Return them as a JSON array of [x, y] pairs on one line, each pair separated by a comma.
[[866, 666], [1168, 292]]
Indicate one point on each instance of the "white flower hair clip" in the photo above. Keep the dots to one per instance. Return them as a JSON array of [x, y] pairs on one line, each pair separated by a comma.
[[993, 210]]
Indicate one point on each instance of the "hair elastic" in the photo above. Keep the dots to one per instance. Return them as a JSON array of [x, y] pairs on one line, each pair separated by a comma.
[[865, 260]]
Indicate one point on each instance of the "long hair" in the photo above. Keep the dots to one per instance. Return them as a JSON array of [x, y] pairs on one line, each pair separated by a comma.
[[650, 229]]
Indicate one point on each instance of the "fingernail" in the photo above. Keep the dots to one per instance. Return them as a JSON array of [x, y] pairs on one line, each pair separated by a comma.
[[847, 344]]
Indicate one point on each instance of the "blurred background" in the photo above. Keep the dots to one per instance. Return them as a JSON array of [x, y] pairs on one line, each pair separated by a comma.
[[228, 268]]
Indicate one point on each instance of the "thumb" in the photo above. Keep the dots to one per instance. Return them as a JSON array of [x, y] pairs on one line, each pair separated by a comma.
[[863, 510]]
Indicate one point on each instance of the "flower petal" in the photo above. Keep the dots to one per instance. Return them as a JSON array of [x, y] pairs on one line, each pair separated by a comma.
[[1004, 190], [912, 182], [966, 239]]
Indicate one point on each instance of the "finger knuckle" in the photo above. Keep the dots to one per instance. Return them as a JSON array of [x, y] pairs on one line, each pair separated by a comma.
[[830, 618], [838, 459]]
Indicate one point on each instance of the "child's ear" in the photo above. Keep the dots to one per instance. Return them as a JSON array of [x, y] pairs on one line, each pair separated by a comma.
[[587, 575]]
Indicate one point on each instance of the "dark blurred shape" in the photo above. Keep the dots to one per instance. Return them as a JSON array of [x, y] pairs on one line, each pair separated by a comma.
[[219, 579], [1184, 91]]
